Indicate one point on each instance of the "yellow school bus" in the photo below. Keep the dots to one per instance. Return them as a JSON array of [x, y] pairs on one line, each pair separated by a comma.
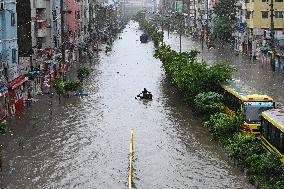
[[240, 98], [272, 131]]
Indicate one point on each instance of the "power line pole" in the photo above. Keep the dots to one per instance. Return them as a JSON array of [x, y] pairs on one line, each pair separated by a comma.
[[163, 21], [62, 33], [272, 32], [207, 22]]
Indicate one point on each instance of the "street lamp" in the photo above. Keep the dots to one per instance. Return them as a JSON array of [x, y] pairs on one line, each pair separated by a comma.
[[237, 41], [272, 32], [180, 17]]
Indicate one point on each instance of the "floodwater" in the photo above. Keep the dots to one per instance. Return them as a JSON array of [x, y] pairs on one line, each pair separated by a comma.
[[256, 74], [84, 142]]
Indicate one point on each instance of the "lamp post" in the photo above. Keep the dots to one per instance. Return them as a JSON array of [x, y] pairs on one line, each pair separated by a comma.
[[272, 32], [237, 41], [62, 34], [180, 17], [163, 21], [202, 41]]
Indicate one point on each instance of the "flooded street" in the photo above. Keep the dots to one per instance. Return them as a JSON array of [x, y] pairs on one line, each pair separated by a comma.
[[254, 73], [84, 142]]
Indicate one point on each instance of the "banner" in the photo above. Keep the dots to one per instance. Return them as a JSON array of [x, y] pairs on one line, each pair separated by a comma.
[[178, 6], [24, 64]]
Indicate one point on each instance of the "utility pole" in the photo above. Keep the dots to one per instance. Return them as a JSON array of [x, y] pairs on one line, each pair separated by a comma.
[[181, 25], [272, 32], [62, 34], [207, 24], [163, 21]]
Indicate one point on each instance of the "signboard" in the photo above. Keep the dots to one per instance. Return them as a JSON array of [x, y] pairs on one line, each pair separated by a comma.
[[178, 6], [13, 73], [259, 104], [23, 66], [242, 27]]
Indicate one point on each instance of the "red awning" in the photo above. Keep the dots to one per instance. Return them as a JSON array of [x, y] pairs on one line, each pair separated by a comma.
[[16, 82]]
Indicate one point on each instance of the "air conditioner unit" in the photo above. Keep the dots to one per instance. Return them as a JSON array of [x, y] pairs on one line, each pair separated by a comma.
[[2, 6]]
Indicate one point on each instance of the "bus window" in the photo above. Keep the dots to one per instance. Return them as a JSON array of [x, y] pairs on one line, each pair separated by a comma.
[[265, 128], [232, 102], [272, 135], [253, 110], [281, 142], [277, 138]]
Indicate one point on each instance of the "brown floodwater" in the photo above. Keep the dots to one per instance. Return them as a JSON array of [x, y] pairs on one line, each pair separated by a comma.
[[83, 142]]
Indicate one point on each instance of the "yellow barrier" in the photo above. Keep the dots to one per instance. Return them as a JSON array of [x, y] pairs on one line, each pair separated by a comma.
[[131, 159]]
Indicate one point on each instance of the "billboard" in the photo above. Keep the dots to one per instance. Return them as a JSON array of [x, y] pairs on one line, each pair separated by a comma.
[[178, 6]]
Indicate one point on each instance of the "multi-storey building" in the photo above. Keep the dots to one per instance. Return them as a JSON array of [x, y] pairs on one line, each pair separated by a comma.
[[240, 33], [56, 20], [42, 35], [259, 21], [9, 56]]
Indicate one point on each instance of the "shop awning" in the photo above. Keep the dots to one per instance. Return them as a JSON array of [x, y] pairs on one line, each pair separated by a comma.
[[3, 90], [16, 82]]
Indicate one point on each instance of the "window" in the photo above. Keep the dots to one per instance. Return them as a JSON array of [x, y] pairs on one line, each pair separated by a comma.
[[264, 14], [14, 55], [248, 14], [232, 102], [13, 20], [265, 128], [278, 0], [278, 14], [264, 1]]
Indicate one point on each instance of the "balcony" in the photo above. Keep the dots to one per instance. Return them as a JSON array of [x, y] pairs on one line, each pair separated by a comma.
[[42, 32], [40, 4]]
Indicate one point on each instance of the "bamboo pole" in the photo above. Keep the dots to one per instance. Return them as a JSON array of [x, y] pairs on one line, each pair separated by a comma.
[[131, 159]]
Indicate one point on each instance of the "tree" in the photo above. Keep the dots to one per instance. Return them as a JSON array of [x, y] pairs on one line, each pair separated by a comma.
[[225, 20]]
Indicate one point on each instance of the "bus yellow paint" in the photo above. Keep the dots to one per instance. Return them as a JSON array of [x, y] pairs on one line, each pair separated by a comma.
[[269, 118], [273, 132], [271, 148], [238, 96], [131, 145]]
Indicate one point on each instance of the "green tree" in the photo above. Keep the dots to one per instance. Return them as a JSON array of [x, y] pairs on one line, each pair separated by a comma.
[[3, 127], [225, 20], [208, 103], [83, 72]]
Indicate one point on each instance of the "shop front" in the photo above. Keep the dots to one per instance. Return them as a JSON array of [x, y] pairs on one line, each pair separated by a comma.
[[16, 90], [3, 102]]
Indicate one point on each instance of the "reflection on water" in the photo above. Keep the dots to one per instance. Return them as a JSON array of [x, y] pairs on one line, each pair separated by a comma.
[[84, 142]]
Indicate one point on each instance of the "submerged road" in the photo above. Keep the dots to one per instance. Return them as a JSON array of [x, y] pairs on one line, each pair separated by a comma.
[[84, 142]]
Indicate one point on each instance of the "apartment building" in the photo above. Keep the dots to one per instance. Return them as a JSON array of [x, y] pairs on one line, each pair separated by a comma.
[[259, 22], [12, 78]]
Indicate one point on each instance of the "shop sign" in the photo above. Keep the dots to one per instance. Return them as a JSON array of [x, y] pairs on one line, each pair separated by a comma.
[[23, 66]]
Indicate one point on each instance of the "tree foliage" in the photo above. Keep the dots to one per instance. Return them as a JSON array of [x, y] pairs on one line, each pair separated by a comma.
[[208, 103], [83, 72], [189, 75], [225, 20], [3, 127]]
